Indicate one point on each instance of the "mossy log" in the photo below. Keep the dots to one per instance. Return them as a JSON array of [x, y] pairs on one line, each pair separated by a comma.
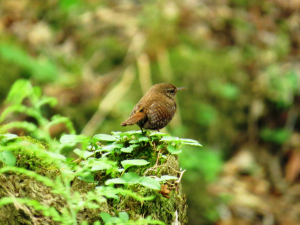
[[169, 205]]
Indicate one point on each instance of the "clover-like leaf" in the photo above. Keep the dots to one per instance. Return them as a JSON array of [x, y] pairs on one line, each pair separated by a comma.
[[173, 150], [150, 183], [170, 139], [131, 177], [187, 141], [100, 165], [104, 137], [110, 147], [166, 177], [143, 138], [72, 138], [56, 155], [159, 134], [105, 216], [8, 158], [83, 154], [86, 176], [115, 181], [128, 149], [8, 137], [123, 216], [133, 162], [134, 141]]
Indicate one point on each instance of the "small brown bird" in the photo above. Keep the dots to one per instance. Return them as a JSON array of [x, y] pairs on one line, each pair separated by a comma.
[[155, 109]]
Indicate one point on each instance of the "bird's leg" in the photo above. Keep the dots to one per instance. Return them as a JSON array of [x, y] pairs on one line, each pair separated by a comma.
[[142, 130]]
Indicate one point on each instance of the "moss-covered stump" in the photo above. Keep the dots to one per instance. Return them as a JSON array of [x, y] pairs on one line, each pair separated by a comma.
[[22, 186], [169, 209], [169, 204], [133, 174]]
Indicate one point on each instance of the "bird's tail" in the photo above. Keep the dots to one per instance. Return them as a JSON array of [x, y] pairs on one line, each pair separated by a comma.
[[133, 119]]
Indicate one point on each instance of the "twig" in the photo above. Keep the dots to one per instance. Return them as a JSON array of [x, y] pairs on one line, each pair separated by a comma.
[[179, 179]]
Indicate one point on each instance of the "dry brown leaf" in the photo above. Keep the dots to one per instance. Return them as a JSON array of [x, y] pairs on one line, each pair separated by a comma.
[[165, 191]]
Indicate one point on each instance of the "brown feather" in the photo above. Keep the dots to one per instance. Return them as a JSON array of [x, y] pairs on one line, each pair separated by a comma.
[[133, 119], [155, 109]]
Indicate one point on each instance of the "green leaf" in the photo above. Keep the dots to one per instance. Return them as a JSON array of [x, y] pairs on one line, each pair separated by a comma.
[[187, 141], [127, 178], [86, 176], [128, 133], [133, 162], [19, 90], [72, 138], [115, 181], [19, 124], [133, 132], [57, 119], [8, 158], [123, 216], [104, 137], [46, 100], [172, 149], [128, 149], [105, 216], [109, 147], [170, 139], [97, 222], [150, 183], [158, 134], [166, 177], [131, 177], [143, 138], [83, 154], [8, 137], [56, 155], [100, 165]]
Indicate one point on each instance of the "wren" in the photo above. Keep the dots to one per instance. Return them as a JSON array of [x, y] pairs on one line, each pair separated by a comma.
[[155, 109]]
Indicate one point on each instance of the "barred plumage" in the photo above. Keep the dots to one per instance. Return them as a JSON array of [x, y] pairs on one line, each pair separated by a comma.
[[155, 109]]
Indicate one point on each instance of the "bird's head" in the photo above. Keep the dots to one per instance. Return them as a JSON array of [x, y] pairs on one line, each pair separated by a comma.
[[168, 90]]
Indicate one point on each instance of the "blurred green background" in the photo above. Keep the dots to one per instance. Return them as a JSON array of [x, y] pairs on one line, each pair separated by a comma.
[[238, 59]]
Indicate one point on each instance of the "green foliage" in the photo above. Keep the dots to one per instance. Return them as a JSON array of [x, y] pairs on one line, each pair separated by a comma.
[[124, 219], [279, 136], [232, 55], [42, 69], [128, 143], [107, 156], [8, 158], [282, 85]]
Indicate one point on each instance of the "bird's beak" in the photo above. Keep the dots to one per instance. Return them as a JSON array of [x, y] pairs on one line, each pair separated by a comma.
[[181, 88]]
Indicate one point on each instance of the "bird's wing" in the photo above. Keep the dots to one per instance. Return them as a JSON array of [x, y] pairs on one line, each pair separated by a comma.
[[133, 119], [136, 115], [137, 108]]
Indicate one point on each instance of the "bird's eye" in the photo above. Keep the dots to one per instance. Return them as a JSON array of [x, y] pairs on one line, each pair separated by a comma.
[[171, 90]]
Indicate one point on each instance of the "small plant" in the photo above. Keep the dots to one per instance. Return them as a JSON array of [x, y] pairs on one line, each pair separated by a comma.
[[112, 171]]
